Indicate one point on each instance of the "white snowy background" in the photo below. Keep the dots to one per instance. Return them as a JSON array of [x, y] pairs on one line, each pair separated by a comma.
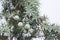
[[51, 8]]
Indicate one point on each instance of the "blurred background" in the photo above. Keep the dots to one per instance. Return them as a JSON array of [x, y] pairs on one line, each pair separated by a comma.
[[51, 8]]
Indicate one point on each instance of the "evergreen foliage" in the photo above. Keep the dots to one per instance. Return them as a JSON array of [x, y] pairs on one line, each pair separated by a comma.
[[21, 17], [23, 21]]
